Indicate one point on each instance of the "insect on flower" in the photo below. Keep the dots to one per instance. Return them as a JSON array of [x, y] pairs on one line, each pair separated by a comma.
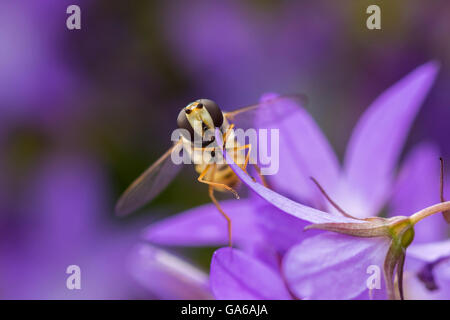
[[196, 120], [397, 232]]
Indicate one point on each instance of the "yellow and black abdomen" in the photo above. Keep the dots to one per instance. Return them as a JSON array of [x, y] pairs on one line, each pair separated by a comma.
[[222, 172]]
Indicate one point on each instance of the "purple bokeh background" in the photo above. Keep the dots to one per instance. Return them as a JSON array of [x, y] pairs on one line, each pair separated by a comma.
[[83, 112]]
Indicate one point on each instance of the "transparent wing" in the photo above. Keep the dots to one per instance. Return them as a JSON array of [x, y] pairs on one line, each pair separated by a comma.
[[149, 184], [266, 113]]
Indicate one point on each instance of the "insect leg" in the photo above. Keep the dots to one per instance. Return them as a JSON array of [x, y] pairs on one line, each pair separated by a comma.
[[227, 133], [263, 180], [201, 178], [247, 158], [216, 203], [258, 170]]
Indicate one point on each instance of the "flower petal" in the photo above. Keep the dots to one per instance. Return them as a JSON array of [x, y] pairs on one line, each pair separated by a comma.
[[417, 188], [235, 275], [277, 200], [304, 151], [378, 138], [333, 266], [167, 276], [281, 230], [205, 225], [429, 252]]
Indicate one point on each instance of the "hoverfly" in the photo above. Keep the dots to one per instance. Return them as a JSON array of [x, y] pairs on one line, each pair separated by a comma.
[[218, 176]]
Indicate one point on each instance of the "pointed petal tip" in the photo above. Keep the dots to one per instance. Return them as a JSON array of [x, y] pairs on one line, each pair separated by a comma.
[[429, 69], [433, 65], [268, 96], [379, 136], [118, 211]]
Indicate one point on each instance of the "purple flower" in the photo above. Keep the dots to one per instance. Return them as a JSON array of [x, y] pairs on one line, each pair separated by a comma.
[[334, 266], [166, 275], [236, 275], [63, 222], [344, 260], [172, 277], [364, 182], [36, 77], [269, 230], [231, 41]]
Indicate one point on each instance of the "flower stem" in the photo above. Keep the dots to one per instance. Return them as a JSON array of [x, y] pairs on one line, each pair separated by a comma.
[[419, 215]]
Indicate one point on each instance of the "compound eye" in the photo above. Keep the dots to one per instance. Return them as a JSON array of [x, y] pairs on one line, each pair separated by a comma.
[[213, 110], [183, 123]]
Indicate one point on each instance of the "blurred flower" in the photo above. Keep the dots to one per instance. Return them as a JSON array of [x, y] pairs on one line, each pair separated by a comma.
[[236, 275], [429, 271], [166, 275], [35, 75], [63, 222], [235, 51], [171, 277]]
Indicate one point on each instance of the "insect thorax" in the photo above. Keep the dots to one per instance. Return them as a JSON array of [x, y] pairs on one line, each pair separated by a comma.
[[203, 153]]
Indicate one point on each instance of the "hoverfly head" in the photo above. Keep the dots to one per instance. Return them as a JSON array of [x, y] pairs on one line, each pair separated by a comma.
[[199, 116]]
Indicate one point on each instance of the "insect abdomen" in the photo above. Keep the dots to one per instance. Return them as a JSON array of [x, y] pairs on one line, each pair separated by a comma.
[[224, 174]]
